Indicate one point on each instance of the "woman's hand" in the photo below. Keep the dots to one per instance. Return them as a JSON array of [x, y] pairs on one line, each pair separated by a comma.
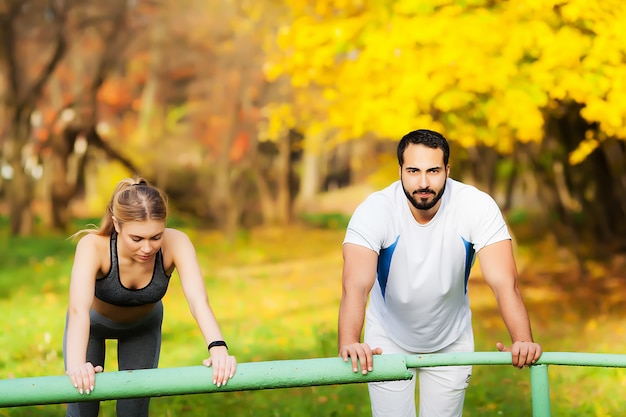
[[224, 365], [83, 377]]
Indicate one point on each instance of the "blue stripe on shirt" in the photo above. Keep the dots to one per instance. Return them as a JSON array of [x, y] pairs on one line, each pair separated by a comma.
[[384, 263], [469, 259]]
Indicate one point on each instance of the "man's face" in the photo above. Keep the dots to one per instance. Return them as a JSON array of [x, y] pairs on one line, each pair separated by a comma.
[[423, 177]]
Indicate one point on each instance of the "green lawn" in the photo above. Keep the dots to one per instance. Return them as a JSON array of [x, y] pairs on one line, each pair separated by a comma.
[[276, 293]]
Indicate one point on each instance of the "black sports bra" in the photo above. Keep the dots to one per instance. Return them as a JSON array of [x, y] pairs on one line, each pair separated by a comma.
[[111, 290]]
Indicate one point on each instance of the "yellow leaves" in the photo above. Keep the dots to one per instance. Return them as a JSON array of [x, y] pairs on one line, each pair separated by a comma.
[[278, 118], [584, 149], [564, 49], [330, 94], [411, 7], [487, 73], [597, 109], [272, 71], [466, 136], [608, 108], [326, 8], [308, 36], [591, 12], [537, 8], [518, 109], [453, 99], [323, 8]]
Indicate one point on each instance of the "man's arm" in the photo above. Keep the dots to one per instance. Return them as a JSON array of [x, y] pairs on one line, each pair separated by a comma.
[[498, 267], [359, 274]]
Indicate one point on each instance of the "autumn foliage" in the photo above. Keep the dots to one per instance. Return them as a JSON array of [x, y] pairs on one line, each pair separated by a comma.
[[484, 71], [269, 102], [541, 83]]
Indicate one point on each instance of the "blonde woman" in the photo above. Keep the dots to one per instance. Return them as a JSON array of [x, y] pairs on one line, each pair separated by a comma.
[[121, 272]]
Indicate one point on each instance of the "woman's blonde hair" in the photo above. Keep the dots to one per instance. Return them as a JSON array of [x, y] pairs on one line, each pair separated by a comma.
[[134, 199]]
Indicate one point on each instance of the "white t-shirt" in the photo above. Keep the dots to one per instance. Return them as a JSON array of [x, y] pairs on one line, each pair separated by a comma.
[[420, 293]]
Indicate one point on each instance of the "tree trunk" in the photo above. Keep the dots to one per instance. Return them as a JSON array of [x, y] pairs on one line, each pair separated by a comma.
[[20, 197], [587, 198], [310, 182], [20, 186], [67, 170], [273, 176], [283, 203]]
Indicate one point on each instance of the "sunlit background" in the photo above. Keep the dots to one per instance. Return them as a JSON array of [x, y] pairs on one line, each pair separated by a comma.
[[267, 122]]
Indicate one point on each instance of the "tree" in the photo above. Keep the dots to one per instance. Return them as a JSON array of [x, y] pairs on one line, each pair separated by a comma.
[[98, 45], [544, 78], [45, 33], [219, 106], [36, 30]]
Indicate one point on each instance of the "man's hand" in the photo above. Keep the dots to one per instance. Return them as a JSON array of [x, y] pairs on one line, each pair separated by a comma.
[[522, 353], [360, 352]]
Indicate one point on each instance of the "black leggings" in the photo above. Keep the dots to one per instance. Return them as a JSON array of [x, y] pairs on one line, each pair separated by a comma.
[[139, 344]]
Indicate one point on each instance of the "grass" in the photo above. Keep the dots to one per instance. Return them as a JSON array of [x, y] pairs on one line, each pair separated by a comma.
[[276, 293]]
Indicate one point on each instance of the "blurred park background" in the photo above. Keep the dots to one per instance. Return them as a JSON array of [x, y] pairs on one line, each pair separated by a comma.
[[267, 122]]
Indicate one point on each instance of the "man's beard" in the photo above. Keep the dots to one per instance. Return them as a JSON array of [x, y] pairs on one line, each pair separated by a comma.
[[424, 204]]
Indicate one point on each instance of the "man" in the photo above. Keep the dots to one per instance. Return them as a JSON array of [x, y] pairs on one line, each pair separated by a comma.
[[409, 249]]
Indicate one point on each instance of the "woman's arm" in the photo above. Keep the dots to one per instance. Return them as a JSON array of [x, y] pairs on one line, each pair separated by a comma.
[[82, 287], [186, 262]]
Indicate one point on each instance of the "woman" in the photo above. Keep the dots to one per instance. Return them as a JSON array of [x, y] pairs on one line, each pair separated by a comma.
[[120, 274]]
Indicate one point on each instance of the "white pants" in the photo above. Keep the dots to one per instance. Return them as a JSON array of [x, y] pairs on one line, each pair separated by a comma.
[[442, 388]]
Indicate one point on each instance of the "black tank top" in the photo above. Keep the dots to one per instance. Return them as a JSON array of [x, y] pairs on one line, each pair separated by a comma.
[[111, 290]]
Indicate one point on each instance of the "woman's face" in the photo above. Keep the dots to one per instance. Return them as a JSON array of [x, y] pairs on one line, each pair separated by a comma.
[[140, 240]]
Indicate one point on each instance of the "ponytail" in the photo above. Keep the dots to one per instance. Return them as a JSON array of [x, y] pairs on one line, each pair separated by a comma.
[[133, 199]]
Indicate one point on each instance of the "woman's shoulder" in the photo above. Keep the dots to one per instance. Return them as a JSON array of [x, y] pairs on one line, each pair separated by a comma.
[[94, 241], [174, 237], [170, 232], [176, 246], [93, 249]]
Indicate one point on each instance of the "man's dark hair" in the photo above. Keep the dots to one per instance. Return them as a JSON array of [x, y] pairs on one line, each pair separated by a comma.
[[424, 137]]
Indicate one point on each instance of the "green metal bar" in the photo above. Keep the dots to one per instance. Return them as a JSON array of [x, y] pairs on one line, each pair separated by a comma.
[[197, 379], [540, 390], [458, 358], [282, 374], [605, 360]]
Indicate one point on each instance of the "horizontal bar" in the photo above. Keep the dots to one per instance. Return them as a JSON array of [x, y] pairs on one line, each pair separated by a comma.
[[458, 358], [607, 360], [198, 379], [263, 375]]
